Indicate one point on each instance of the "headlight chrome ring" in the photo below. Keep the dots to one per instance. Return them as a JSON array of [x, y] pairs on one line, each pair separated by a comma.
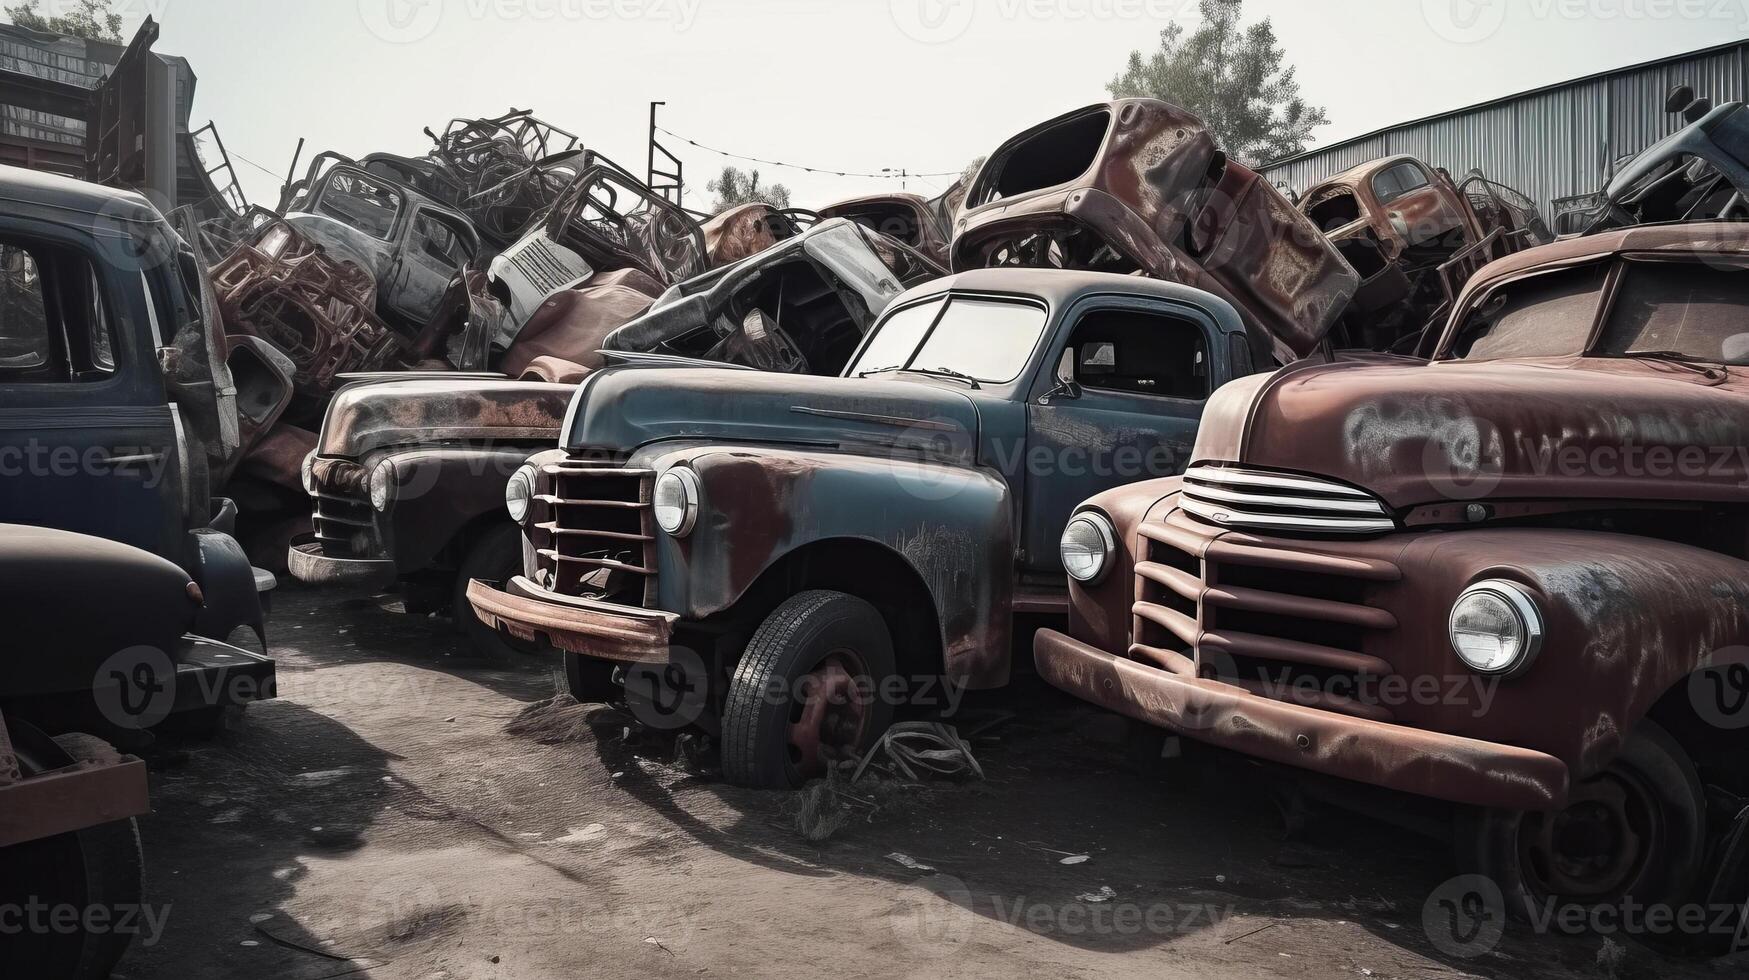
[[1087, 546], [382, 484], [519, 493], [1496, 628], [675, 501]]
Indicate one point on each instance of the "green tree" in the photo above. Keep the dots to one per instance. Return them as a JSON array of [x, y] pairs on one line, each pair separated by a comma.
[[1234, 77], [90, 19], [734, 188]]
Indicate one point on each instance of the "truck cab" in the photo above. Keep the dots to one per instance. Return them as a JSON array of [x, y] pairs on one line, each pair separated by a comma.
[[1511, 578], [770, 545]]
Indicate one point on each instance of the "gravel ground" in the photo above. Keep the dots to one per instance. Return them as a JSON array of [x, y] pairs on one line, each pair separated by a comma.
[[377, 821]]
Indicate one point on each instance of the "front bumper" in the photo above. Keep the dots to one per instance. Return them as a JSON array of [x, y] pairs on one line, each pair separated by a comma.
[[603, 630], [1448, 767], [308, 564]]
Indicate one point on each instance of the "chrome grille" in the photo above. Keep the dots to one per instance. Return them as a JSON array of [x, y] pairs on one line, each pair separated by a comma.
[[1260, 500], [593, 532], [536, 260], [341, 515], [1280, 621]]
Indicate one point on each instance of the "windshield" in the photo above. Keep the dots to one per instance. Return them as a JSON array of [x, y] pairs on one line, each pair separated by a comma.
[[360, 202], [986, 340], [1674, 309]]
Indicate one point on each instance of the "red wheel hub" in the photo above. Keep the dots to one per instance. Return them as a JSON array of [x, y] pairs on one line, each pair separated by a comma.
[[828, 714]]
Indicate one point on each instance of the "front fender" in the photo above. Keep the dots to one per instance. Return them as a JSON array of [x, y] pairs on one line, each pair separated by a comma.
[[953, 525], [1627, 620], [439, 492], [227, 586]]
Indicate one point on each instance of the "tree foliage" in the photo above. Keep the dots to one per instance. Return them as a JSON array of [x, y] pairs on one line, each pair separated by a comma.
[[89, 19], [734, 188], [1232, 75]]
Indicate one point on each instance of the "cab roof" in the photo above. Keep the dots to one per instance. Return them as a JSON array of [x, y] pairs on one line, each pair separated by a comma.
[[35, 187], [1062, 287]]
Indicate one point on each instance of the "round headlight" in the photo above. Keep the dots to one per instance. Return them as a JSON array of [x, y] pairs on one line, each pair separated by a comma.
[[676, 501], [1087, 546], [308, 474], [382, 484], [518, 493], [1496, 627]]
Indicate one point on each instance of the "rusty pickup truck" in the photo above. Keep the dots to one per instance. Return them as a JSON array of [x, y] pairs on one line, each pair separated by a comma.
[[791, 559], [1514, 578]]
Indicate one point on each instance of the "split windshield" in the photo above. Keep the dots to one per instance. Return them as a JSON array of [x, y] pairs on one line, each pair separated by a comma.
[[1676, 310], [986, 340]]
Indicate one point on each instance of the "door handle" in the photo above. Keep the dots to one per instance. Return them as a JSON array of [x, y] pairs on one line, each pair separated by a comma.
[[136, 459]]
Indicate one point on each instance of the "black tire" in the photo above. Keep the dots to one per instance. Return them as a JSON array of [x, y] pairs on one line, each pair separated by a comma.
[[1664, 804], [494, 556], [99, 867], [805, 632]]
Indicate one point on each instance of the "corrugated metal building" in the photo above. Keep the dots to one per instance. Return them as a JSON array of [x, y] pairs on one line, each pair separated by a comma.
[[1551, 143]]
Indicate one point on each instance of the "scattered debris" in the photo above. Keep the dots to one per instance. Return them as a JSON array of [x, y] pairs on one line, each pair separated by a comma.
[[1105, 894], [908, 861], [914, 749]]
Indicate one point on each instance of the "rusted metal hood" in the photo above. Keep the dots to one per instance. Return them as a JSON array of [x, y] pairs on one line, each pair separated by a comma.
[[375, 415], [623, 408], [1416, 433]]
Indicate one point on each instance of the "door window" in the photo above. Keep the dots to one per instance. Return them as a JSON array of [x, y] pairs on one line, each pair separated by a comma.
[[438, 242], [54, 323], [1397, 181], [1141, 353]]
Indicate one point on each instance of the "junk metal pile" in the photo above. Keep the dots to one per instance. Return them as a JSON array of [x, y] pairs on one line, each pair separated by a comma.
[[1270, 468]]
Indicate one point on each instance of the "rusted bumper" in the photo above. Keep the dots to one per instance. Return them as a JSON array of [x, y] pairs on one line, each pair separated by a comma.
[[65, 800], [1448, 767], [307, 563], [603, 630]]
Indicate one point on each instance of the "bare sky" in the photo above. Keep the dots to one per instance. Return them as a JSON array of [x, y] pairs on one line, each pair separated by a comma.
[[842, 84]]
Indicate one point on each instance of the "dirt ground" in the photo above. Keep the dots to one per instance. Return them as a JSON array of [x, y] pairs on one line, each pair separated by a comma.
[[377, 821]]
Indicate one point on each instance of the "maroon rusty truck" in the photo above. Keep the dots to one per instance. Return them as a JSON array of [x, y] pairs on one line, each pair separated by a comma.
[[1515, 578]]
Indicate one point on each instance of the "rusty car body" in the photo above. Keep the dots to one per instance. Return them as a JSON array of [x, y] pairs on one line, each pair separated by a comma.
[[1699, 172], [1138, 186], [408, 478], [908, 218], [1415, 236], [1573, 463], [917, 497]]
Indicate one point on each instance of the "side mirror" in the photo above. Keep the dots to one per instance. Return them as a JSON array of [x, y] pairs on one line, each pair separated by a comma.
[[1065, 378], [1678, 98], [1697, 110]]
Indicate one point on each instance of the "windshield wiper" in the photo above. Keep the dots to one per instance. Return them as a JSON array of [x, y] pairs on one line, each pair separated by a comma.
[[942, 372], [939, 372], [1703, 365]]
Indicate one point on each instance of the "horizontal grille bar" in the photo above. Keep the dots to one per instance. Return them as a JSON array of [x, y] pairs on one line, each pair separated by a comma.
[[1235, 497]]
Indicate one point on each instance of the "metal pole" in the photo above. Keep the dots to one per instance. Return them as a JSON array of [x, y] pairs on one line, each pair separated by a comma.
[[650, 164]]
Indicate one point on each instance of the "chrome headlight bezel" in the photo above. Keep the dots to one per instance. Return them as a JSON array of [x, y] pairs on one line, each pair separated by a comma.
[[382, 485], [519, 493], [1103, 534], [307, 473], [679, 521], [1524, 609]]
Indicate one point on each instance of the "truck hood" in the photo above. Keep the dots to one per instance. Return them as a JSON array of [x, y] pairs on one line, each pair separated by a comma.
[[624, 407], [375, 415], [1416, 433]]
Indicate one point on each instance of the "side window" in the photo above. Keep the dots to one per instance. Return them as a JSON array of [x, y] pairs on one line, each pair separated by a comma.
[[438, 242], [361, 202], [54, 323], [1397, 181], [1141, 353]]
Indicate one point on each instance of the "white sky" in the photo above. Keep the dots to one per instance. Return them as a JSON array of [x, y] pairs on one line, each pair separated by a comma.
[[846, 84]]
